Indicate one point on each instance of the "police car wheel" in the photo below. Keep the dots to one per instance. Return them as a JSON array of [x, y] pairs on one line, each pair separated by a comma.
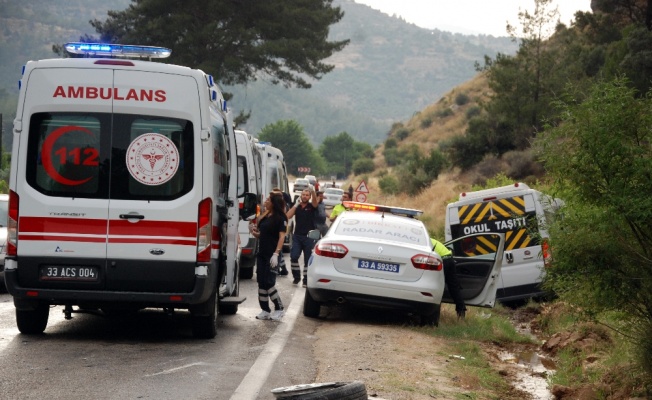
[[431, 319], [311, 307], [205, 326], [354, 390], [31, 322]]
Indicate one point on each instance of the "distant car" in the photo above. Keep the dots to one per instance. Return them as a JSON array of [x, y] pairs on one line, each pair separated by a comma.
[[381, 256], [311, 178], [300, 185], [4, 207], [327, 185], [332, 197]]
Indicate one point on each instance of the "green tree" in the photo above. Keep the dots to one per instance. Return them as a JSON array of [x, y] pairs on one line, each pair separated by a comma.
[[599, 158], [297, 150], [341, 150], [363, 166], [234, 41]]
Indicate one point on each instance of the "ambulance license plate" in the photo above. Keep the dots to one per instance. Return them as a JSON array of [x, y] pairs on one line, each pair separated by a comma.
[[69, 273]]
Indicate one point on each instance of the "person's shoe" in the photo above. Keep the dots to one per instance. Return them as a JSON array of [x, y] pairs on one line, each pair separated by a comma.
[[277, 315], [283, 272], [264, 315], [296, 280], [461, 314], [305, 283]]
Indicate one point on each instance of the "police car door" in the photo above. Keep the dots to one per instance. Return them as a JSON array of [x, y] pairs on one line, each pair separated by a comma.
[[156, 182], [478, 262]]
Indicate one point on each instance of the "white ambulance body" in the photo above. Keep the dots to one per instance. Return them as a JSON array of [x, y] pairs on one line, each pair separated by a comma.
[[522, 214], [249, 181], [122, 191], [274, 175]]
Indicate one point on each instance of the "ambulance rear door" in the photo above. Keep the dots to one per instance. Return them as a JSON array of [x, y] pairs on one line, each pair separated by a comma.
[[61, 176], [156, 182]]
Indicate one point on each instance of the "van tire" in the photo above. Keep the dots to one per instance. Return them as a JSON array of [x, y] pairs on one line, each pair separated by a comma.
[[247, 272], [311, 307], [33, 322], [431, 319], [205, 326]]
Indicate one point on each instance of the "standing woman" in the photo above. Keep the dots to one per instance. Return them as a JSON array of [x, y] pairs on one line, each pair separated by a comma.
[[271, 233]]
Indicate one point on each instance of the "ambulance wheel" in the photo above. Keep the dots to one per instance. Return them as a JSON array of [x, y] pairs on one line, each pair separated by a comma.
[[311, 307], [432, 318], [204, 326], [32, 322]]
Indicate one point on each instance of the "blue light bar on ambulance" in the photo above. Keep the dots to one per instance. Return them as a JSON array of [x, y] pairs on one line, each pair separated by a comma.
[[352, 205], [116, 50]]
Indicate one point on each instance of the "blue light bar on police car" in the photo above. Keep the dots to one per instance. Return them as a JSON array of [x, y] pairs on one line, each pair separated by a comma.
[[117, 50]]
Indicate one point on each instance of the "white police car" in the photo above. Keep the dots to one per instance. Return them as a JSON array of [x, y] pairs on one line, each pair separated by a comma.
[[381, 256]]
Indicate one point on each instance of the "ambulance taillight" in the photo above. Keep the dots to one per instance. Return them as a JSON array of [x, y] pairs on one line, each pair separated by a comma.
[[12, 224], [204, 231]]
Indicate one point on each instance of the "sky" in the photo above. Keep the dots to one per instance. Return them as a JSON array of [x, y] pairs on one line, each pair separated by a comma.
[[469, 17]]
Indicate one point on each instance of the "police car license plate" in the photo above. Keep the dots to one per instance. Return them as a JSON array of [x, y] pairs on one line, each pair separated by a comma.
[[378, 265], [69, 273]]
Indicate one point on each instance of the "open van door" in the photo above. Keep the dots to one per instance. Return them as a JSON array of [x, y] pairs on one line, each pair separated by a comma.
[[478, 260]]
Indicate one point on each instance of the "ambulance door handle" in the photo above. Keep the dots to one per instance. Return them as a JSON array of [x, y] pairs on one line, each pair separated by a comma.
[[132, 216]]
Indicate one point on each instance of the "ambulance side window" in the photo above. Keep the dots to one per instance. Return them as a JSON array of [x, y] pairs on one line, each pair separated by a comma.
[[243, 176], [68, 154], [220, 160]]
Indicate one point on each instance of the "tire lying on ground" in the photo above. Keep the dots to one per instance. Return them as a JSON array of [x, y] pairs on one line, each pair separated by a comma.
[[354, 390]]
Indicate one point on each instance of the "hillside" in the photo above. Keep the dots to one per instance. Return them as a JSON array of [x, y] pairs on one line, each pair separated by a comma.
[[390, 70]]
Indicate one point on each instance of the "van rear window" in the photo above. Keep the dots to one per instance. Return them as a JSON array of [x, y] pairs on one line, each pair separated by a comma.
[[110, 156]]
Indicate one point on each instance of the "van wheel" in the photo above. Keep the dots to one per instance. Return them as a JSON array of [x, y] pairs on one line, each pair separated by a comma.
[[246, 271], [32, 322], [205, 326], [311, 307], [431, 319]]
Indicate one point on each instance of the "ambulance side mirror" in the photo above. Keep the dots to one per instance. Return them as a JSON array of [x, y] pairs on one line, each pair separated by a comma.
[[248, 206]]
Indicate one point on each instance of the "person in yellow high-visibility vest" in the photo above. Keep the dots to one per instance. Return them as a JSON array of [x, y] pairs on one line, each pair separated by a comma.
[[450, 276]]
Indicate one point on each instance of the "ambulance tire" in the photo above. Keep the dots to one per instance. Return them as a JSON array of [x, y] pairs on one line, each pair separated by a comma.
[[431, 319], [33, 322], [205, 326]]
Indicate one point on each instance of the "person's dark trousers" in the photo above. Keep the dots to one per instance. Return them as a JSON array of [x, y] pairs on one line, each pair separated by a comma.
[[453, 285], [300, 244]]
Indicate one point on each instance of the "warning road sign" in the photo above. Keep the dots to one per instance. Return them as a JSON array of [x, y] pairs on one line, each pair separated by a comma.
[[362, 188]]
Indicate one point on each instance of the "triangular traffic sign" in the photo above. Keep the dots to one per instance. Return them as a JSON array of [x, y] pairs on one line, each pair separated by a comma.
[[362, 187]]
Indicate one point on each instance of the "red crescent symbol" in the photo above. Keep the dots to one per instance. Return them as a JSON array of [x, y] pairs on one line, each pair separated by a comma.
[[46, 155]]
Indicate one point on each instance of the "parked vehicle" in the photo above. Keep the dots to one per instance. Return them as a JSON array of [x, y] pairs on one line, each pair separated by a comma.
[[274, 175], [4, 207], [248, 182], [300, 184], [522, 214], [312, 179], [123, 189], [381, 256], [332, 197]]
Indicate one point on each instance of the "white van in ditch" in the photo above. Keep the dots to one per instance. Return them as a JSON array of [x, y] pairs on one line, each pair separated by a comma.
[[122, 189], [522, 214], [274, 175], [249, 181]]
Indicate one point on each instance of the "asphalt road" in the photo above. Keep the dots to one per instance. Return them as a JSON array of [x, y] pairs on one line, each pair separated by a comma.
[[152, 355]]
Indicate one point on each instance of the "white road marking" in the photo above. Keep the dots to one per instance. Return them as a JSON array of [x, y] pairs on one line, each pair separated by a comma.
[[255, 379]]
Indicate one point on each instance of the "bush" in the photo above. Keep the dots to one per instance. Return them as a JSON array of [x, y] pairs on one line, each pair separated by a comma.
[[473, 112], [426, 122], [461, 99], [392, 156], [522, 164], [390, 143], [446, 112], [402, 133], [388, 184], [363, 165]]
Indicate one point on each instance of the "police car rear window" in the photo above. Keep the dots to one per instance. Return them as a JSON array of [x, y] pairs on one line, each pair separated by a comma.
[[118, 156]]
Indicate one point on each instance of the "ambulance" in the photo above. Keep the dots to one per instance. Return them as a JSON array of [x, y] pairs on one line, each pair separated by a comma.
[[123, 189], [522, 214], [249, 181], [274, 175]]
